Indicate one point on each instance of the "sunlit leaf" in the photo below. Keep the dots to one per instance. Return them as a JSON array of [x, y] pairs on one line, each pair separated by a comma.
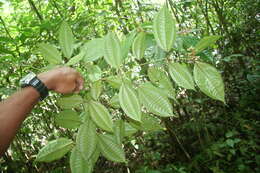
[[50, 53], [189, 41], [86, 141], [155, 100], [66, 39], [75, 59], [96, 90], [68, 102], [129, 101], [209, 81], [119, 130], [139, 45], [93, 49], [127, 43], [94, 73], [54, 150], [95, 156], [159, 77], [159, 53], [206, 42], [150, 123], [68, 119], [114, 101], [78, 164], [129, 130], [48, 67], [100, 116], [164, 29], [181, 74], [112, 50], [111, 149], [114, 81]]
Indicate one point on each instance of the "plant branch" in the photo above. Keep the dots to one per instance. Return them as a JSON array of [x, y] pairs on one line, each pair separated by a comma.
[[5, 28], [173, 10], [57, 8], [10, 36], [35, 10]]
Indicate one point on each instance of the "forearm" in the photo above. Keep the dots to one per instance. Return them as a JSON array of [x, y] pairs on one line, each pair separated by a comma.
[[12, 113], [14, 110]]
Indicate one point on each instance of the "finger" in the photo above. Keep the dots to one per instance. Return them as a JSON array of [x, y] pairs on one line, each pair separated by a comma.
[[77, 87], [80, 81], [76, 90]]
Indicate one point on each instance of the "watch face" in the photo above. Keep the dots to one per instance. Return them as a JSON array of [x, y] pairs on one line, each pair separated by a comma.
[[27, 79]]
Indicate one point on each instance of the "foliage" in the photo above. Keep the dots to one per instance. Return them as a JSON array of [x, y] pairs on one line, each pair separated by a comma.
[[143, 104]]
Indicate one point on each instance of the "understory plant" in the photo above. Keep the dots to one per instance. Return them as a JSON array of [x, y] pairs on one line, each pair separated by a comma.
[[132, 83]]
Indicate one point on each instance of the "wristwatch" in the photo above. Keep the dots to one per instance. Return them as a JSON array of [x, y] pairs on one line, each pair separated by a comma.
[[32, 80]]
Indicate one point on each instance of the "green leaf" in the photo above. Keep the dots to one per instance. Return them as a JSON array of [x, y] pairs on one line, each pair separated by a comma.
[[127, 43], [139, 45], [159, 53], [119, 130], [94, 73], [209, 81], [230, 142], [206, 42], [48, 67], [84, 115], [155, 74], [93, 50], [150, 123], [112, 50], [111, 149], [181, 74], [129, 130], [178, 45], [114, 81], [86, 141], [114, 101], [129, 101], [155, 100], [164, 29], [66, 39], [68, 119], [54, 150], [100, 116], [96, 90], [160, 78], [189, 41], [68, 102], [95, 156], [50, 53], [3, 50], [136, 125], [6, 39], [75, 59], [78, 164]]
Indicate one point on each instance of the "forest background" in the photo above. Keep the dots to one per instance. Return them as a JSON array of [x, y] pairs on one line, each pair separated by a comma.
[[207, 136]]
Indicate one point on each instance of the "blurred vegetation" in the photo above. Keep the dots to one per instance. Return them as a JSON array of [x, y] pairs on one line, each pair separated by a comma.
[[207, 137]]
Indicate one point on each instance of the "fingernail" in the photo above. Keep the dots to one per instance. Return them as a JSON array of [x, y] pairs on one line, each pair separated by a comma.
[[81, 87]]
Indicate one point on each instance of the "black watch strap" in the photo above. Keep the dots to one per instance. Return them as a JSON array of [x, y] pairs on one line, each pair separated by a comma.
[[39, 86]]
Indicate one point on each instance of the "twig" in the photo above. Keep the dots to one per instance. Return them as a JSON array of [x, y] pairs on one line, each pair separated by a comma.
[[35, 10]]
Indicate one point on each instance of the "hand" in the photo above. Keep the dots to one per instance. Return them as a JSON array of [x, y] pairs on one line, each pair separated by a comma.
[[63, 80]]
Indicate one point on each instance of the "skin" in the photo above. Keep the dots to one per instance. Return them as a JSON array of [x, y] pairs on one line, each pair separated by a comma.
[[62, 80]]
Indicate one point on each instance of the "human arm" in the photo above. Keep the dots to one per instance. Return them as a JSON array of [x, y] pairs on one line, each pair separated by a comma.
[[15, 109]]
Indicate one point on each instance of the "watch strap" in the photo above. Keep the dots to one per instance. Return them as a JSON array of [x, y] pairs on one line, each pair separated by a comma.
[[39, 86]]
